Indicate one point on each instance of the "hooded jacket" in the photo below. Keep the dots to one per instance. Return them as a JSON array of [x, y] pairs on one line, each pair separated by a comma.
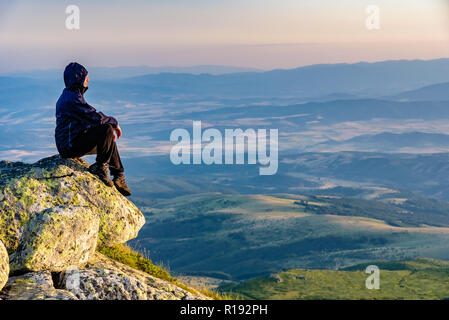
[[74, 115]]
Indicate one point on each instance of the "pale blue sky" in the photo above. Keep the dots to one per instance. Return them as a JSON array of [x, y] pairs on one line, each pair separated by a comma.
[[254, 33]]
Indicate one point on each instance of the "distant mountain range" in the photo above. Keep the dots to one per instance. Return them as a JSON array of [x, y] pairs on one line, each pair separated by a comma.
[[435, 92], [389, 142], [108, 73], [308, 105], [361, 79], [316, 82]]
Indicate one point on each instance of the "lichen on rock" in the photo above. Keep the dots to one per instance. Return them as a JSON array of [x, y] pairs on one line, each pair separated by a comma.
[[29, 190], [56, 239], [34, 286], [106, 279], [54, 214], [4, 265]]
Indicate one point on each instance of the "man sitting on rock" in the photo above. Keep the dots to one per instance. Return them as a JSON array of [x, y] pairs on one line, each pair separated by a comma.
[[81, 130]]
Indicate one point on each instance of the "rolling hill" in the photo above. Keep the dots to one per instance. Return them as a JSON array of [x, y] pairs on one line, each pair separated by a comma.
[[238, 237], [420, 279], [435, 92]]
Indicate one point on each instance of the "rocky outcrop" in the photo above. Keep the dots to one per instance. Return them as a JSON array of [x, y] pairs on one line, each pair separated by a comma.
[[106, 279], [56, 239], [53, 214], [4, 265], [34, 286], [101, 279]]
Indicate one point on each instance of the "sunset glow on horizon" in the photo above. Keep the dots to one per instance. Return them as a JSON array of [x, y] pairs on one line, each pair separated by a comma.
[[264, 34]]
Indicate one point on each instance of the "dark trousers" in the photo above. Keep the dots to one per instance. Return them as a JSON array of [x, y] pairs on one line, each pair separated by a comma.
[[100, 141]]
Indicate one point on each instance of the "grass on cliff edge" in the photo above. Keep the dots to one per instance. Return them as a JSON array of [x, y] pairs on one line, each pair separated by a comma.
[[126, 255]]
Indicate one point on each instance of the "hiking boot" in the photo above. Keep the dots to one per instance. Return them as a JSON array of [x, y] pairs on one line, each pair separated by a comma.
[[120, 184], [101, 170]]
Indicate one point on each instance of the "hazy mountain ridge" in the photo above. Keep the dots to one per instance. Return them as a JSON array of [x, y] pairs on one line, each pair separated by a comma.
[[316, 80], [421, 142], [435, 92], [105, 73]]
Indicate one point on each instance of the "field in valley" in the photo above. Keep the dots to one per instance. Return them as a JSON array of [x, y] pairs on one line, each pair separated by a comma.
[[412, 280], [237, 237]]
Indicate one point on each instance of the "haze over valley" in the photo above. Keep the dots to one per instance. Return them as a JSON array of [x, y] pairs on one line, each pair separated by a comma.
[[363, 161]]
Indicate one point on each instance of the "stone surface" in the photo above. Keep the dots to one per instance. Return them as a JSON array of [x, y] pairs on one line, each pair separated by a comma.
[[29, 189], [53, 216], [56, 239], [4, 265], [106, 279], [101, 279], [34, 286]]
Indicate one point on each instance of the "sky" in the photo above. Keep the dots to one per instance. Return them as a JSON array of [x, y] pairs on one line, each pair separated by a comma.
[[264, 34]]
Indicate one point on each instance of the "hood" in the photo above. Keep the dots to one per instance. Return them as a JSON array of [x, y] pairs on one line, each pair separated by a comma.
[[74, 75]]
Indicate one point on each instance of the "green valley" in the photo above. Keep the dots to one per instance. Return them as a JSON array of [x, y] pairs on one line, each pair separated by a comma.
[[237, 237], [412, 280]]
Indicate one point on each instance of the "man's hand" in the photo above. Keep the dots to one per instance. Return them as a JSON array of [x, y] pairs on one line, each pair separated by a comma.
[[118, 132]]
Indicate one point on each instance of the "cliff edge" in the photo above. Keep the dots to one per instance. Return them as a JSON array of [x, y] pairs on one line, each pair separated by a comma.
[[54, 216]]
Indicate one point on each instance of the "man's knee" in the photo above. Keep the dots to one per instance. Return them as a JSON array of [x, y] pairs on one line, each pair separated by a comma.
[[108, 130]]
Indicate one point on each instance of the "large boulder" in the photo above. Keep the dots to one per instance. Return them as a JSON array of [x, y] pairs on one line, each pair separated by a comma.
[[53, 216], [4, 266], [34, 286], [36, 198], [106, 279], [56, 239], [100, 279]]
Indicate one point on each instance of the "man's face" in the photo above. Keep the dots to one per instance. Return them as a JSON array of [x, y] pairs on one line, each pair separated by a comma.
[[86, 81]]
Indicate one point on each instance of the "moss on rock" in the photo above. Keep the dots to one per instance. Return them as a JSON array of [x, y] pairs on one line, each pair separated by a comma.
[[34, 286], [27, 190], [4, 265], [56, 239]]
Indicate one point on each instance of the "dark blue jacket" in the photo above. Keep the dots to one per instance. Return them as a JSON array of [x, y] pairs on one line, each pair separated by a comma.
[[73, 114]]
